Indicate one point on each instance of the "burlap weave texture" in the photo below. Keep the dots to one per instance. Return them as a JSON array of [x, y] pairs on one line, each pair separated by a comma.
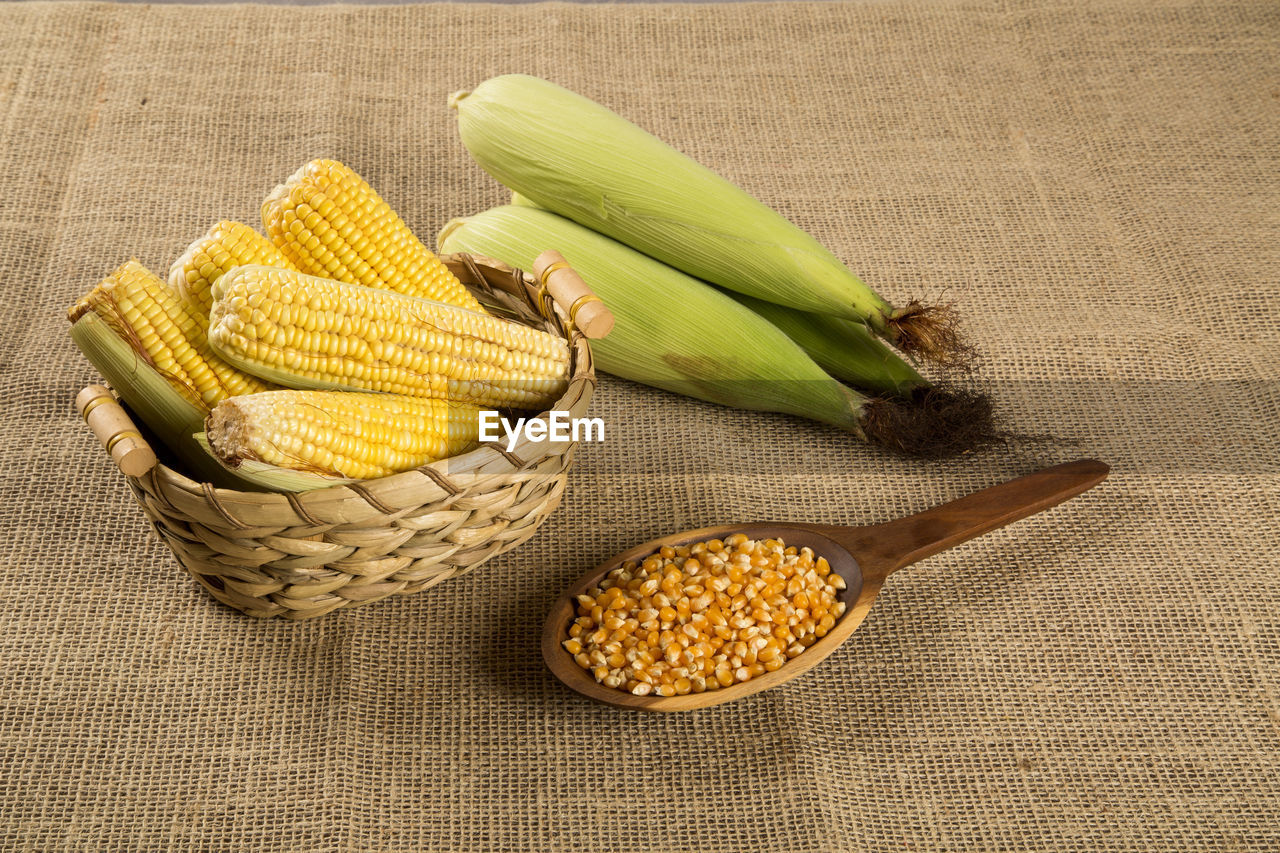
[[1095, 184]]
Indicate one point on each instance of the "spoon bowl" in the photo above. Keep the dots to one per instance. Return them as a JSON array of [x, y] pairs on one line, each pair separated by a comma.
[[862, 556]]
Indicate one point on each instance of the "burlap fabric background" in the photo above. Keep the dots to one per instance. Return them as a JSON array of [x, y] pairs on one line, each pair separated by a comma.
[[1094, 183]]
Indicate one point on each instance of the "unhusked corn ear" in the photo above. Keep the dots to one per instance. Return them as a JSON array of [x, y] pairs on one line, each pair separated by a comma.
[[846, 349], [673, 331], [329, 222], [309, 332], [592, 166], [227, 245], [340, 433], [165, 333]]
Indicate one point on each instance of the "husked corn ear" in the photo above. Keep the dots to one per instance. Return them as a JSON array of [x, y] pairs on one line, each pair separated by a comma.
[[170, 410], [309, 332], [329, 222], [165, 333], [228, 244], [341, 433]]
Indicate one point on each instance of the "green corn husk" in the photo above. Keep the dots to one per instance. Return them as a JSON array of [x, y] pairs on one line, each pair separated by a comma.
[[671, 331], [677, 333], [843, 348], [579, 159], [168, 411], [271, 478]]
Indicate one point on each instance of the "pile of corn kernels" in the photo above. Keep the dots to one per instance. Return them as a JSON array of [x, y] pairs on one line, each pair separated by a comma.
[[701, 617]]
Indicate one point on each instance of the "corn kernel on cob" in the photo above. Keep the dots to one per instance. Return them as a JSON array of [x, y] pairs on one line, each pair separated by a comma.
[[227, 245], [165, 333], [309, 332], [329, 222], [340, 433]]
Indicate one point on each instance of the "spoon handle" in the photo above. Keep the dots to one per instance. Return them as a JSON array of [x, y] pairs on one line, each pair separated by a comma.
[[885, 548]]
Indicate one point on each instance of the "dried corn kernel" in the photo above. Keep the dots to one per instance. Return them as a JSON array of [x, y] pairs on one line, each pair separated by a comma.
[[704, 616]]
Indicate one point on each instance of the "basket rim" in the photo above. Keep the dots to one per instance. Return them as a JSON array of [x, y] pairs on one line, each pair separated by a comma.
[[436, 480]]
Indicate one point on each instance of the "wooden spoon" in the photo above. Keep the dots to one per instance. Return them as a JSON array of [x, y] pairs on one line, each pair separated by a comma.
[[863, 556]]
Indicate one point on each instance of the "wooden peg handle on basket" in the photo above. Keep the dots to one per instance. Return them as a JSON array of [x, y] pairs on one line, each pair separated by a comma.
[[117, 433], [574, 295]]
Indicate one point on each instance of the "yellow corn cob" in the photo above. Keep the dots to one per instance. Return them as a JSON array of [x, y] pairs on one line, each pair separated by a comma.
[[169, 409], [340, 433], [309, 332], [227, 245], [165, 333], [329, 222]]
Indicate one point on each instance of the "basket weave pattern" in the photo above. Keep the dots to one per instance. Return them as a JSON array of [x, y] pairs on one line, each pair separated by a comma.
[[302, 555]]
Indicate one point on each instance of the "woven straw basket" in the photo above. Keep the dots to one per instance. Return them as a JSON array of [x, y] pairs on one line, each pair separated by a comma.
[[299, 556]]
